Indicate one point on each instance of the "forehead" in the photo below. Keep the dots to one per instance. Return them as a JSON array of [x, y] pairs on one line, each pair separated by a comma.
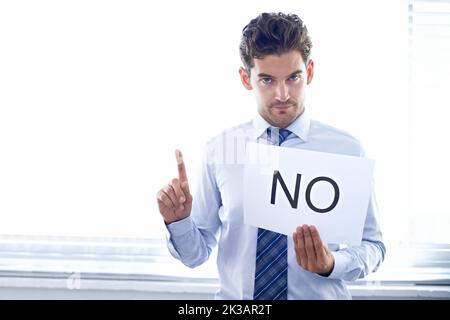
[[279, 65]]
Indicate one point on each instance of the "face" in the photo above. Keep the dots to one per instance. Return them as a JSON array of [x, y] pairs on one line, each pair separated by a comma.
[[279, 83]]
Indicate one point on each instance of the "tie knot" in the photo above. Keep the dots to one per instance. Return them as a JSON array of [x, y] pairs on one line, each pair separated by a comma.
[[282, 134]]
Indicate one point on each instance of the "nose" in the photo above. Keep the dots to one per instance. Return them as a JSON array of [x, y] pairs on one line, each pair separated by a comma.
[[282, 92]]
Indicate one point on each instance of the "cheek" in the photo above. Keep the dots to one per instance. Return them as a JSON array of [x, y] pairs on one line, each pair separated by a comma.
[[263, 94], [298, 90]]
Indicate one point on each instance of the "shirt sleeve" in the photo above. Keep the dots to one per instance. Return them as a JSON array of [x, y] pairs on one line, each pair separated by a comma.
[[356, 262], [192, 239]]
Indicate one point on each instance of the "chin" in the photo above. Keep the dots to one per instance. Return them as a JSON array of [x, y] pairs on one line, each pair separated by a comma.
[[282, 119], [283, 123]]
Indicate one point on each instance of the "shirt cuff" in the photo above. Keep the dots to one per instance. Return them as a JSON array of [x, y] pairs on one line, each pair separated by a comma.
[[181, 227], [341, 262]]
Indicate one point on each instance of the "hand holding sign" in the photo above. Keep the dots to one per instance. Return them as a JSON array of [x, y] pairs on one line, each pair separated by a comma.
[[291, 187], [175, 200], [310, 252]]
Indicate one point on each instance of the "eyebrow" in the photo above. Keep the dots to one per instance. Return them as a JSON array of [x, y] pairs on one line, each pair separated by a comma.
[[265, 75]]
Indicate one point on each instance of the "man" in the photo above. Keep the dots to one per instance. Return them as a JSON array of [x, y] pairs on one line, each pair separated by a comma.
[[254, 263]]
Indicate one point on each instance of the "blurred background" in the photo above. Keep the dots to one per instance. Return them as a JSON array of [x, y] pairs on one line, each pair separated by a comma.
[[95, 96]]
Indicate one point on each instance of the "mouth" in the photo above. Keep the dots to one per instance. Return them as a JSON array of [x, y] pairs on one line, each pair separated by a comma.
[[282, 106]]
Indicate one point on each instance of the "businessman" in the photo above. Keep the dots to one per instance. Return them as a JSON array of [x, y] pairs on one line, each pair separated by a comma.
[[255, 263]]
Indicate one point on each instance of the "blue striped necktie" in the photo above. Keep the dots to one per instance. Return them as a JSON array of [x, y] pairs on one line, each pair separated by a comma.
[[271, 252]]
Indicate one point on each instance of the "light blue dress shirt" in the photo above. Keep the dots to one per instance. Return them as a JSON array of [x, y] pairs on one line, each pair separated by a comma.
[[217, 217]]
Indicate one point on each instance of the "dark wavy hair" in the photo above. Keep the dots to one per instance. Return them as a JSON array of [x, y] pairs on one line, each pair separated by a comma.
[[273, 33]]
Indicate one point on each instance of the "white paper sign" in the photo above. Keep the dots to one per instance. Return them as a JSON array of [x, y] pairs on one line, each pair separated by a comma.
[[286, 187]]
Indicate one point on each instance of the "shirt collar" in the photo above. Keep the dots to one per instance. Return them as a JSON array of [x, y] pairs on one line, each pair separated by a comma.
[[300, 127]]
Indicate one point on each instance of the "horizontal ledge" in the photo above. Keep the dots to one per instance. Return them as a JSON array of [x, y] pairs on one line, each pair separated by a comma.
[[207, 287]]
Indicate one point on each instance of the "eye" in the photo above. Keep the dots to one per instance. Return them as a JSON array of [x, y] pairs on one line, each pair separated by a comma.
[[266, 80], [294, 77]]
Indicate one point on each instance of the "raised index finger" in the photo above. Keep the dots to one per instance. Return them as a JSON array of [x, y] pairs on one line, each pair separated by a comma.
[[181, 168]]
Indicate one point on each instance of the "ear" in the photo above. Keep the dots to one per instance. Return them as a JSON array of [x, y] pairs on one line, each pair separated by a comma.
[[310, 71], [245, 78]]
